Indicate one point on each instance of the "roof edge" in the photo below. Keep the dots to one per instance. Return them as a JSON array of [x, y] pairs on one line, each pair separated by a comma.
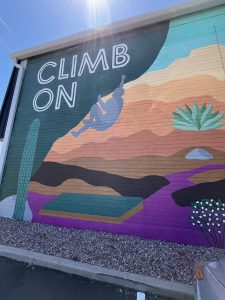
[[154, 17]]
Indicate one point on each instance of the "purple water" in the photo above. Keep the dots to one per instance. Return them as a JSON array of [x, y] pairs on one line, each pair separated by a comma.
[[161, 218]]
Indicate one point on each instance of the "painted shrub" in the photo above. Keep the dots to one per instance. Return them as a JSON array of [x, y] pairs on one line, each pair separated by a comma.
[[131, 135]]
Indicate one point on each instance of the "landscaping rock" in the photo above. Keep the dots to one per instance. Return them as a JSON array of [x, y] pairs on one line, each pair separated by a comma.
[[159, 259]]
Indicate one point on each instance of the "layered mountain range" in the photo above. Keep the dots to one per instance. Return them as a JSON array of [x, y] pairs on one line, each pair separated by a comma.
[[145, 126]]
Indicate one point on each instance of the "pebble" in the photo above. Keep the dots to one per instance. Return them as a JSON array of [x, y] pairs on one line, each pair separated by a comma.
[[158, 259]]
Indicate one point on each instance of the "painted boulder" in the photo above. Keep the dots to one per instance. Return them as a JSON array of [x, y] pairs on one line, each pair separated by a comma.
[[199, 154]]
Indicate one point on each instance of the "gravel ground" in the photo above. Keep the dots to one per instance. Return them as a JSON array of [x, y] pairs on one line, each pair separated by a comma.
[[125, 253]]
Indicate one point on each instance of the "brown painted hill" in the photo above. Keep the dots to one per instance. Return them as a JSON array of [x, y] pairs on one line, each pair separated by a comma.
[[201, 61], [135, 168], [145, 143], [150, 107], [71, 186], [141, 166], [150, 100], [175, 90], [136, 117]]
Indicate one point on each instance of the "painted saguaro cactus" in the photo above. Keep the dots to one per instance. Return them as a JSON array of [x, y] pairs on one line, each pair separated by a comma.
[[26, 169]]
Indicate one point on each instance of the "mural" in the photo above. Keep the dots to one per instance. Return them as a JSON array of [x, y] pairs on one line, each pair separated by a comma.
[[104, 115], [126, 135]]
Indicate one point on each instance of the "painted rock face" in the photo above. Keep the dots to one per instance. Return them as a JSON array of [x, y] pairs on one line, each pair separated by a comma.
[[99, 74]]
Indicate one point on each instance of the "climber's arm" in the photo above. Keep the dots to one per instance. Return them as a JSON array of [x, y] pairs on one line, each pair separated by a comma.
[[102, 105], [100, 100]]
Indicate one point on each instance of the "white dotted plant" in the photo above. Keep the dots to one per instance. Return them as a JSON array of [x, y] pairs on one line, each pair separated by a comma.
[[208, 216]]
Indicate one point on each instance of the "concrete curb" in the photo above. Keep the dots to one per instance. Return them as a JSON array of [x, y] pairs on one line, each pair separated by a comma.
[[128, 280]]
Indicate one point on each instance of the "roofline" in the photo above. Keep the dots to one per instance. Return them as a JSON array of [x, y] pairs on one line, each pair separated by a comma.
[[154, 17]]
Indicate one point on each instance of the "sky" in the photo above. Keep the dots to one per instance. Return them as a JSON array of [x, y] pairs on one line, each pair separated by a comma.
[[26, 23]]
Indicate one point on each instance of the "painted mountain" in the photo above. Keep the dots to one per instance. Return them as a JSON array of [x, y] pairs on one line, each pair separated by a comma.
[[151, 172]]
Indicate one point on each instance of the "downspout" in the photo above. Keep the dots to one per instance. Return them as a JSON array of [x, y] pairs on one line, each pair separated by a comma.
[[11, 117]]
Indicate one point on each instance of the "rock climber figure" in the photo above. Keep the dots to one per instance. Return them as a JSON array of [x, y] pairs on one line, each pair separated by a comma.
[[104, 114]]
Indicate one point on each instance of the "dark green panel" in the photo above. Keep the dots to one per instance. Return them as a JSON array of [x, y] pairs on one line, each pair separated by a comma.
[[143, 45], [99, 205]]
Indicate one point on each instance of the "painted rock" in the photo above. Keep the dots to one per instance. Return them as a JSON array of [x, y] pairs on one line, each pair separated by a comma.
[[7, 207], [199, 154]]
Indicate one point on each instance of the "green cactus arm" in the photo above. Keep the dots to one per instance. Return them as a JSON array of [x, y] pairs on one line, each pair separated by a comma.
[[182, 127], [213, 120], [220, 124], [206, 113], [215, 126], [183, 123], [203, 108], [184, 115], [195, 116], [212, 115], [188, 111], [178, 117]]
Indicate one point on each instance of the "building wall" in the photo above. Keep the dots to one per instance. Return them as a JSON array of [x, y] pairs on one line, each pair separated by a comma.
[[145, 156]]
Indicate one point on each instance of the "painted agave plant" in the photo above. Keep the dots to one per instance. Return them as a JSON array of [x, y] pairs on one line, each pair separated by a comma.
[[197, 118]]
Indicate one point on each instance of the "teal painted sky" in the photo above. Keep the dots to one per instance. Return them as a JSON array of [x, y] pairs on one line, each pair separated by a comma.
[[191, 32]]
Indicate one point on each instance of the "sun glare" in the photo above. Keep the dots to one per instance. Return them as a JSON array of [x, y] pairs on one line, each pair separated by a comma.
[[95, 3], [98, 12]]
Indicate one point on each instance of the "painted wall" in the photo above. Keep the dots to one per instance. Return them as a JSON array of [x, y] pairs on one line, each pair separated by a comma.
[[126, 134]]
